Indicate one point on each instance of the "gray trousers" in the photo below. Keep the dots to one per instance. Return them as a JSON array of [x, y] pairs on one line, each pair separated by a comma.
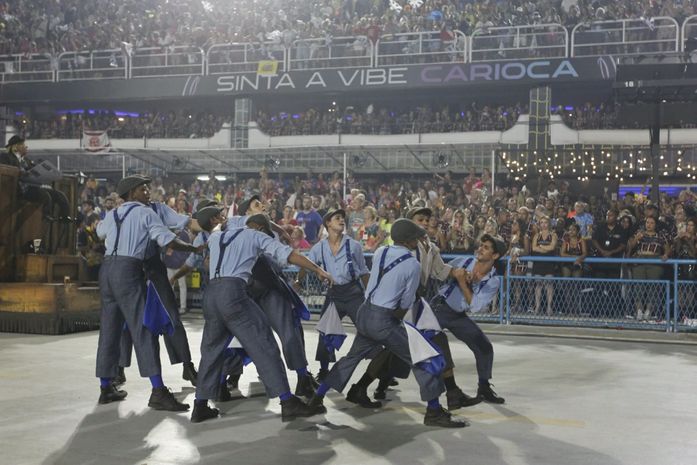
[[347, 298], [466, 330], [229, 311], [282, 320], [122, 288], [378, 326], [178, 343]]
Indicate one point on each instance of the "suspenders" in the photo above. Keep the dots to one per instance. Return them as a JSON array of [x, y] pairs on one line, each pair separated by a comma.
[[119, 222], [349, 259], [383, 270], [224, 245], [453, 284]]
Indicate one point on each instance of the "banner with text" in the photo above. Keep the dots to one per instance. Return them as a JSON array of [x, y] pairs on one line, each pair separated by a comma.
[[95, 141]]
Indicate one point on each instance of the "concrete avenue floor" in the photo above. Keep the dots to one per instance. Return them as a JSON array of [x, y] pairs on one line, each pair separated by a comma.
[[568, 402]]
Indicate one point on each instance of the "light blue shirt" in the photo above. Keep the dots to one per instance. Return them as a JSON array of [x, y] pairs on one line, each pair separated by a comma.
[[338, 265], [236, 222], [483, 292], [140, 226], [170, 218], [398, 287], [196, 260], [241, 255]]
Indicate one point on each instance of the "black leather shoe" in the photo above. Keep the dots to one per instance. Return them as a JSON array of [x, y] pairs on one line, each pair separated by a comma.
[[317, 403], [189, 373], [163, 399], [379, 394], [457, 399], [295, 408], [111, 394], [120, 379], [321, 375], [223, 394], [394, 382], [304, 387], [359, 395], [233, 382], [203, 412], [442, 418], [488, 395]]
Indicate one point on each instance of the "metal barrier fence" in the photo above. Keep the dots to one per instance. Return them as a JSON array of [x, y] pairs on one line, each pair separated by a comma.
[[626, 37], [666, 304], [519, 42]]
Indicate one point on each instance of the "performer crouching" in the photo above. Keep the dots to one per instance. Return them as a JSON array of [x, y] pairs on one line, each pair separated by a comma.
[[230, 312]]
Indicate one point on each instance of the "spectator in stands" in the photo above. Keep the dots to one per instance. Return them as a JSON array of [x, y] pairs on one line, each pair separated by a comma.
[[647, 243], [288, 217], [356, 217], [544, 244], [309, 220], [298, 239], [435, 233], [584, 220], [685, 247], [609, 241], [369, 234], [518, 246], [461, 238]]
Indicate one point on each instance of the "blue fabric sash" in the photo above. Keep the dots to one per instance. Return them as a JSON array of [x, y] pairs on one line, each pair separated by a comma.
[[155, 317]]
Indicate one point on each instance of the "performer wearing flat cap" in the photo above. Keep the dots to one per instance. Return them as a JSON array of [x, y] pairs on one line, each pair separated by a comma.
[[122, 283], [393, 283], [342, 257], [230, 312], [177, 343], [279, 308]]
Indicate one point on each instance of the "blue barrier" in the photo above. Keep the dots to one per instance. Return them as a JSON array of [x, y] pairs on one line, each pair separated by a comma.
[[667, 304]]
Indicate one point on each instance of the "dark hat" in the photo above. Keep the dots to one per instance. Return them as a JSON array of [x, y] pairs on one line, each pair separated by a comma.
[[14, 140], [499, 246], [244, 206], [205, 215], [332, 213], [206, 203], [419, 211], [404, 230], [263, 221], [129, 183]]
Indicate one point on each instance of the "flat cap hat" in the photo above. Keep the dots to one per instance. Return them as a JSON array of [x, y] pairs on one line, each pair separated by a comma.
[[129, 183], [332, 213], [206, 214], [244, 206], [14, 140], [263, 221], [412, 212], [206, 203], [499, 246], [406, 230]]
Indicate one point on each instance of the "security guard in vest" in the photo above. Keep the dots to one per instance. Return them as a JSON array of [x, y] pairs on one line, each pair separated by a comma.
[[278, 309], [342, 257], [122, 284], [230, 312], [394, 280], [155, 271], [471, 292]]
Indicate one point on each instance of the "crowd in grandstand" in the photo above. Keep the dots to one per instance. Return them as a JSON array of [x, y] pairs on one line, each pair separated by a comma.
[[72, 25], [180, 123]]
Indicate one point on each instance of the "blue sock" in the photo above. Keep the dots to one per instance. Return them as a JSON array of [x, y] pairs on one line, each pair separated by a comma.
[[483, 382], [324, 366], [301, 372], [285, 396], [199, 402], [156, 381], [434, 404], [104, 382], [322, 389]]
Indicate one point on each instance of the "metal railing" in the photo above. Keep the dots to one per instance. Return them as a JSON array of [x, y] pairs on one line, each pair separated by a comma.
[[240, 58], [171, 60], [97, 64], [526, 42], [625, 37], [519, 42], [420, 48], [331, 52], [36, 67]]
